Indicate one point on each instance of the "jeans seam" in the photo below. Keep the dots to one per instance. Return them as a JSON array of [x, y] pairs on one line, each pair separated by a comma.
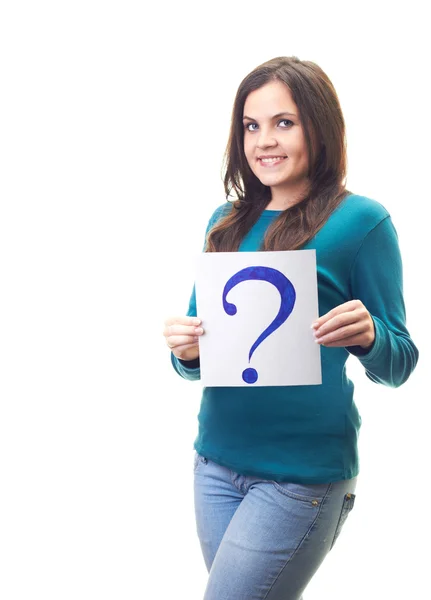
[[301, 542], [345, 511]]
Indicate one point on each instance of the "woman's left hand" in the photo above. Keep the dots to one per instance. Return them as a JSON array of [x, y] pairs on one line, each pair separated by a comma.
[[349, 324]]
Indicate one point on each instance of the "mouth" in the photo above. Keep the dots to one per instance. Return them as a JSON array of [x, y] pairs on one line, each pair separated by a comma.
[[271, 161]]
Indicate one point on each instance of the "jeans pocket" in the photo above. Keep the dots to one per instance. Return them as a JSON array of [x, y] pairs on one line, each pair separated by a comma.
[[198, 460], [348, 503], [305, 492]]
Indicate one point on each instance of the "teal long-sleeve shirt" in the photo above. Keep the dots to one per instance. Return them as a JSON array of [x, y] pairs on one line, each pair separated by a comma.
[[309, 433]]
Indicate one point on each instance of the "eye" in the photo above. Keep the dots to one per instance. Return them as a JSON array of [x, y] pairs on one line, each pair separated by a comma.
[[286, 121]]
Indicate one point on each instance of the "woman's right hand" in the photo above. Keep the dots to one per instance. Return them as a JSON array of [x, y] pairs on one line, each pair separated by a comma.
[[182, 335]]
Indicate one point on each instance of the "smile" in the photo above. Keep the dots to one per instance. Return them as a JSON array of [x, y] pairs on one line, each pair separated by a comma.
[[269, 162]]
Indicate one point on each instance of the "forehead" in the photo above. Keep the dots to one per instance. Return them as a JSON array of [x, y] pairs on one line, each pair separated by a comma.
[[272, 98]]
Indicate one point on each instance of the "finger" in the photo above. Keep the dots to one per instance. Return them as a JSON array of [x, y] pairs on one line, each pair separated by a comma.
[[183, 321], [182, 330], [355, 340], [342, 333], [341, 308], [175, 341], [336, 322], [185, 347]]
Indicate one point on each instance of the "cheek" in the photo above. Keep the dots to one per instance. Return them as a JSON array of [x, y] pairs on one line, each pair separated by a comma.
[[300, 153], [297, 145]]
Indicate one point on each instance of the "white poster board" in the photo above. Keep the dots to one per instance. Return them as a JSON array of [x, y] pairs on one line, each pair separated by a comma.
[[257, 309]]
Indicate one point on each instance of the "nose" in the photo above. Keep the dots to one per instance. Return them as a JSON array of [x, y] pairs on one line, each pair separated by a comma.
[[265, 139]]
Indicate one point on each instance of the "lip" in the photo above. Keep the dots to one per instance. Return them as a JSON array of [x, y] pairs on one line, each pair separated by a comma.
[[271, 164]]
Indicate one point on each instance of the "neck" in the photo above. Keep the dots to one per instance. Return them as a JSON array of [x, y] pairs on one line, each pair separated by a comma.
[[283, 199], [283, 203]]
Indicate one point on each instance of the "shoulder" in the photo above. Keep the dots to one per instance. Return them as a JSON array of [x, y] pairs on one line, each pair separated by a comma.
[[364, 206], [358, 216]]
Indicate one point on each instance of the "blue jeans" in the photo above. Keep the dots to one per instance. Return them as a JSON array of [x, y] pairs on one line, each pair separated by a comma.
[[262, 539]]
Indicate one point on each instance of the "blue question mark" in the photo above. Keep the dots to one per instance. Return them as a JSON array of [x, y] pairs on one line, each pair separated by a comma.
[[288, 296]]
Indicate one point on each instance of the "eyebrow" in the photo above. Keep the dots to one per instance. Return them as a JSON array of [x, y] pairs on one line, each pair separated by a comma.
[[274, 117]]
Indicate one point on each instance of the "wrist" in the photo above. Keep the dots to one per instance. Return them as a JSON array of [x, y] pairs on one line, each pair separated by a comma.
[[370, 344]]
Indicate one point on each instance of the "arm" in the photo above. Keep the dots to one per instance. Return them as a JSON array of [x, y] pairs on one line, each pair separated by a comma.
[[188, 369], [376, 279]]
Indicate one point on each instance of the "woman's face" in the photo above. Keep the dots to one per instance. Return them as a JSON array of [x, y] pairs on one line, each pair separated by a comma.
[[272, 129]]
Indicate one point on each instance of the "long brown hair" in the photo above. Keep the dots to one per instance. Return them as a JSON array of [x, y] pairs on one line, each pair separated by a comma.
[[324, 132]]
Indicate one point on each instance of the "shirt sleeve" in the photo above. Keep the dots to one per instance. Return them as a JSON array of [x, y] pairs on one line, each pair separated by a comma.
[[376, 279], [190, 369]]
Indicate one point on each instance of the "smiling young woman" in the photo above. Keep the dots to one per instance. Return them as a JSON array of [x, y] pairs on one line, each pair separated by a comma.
[[276, 467]]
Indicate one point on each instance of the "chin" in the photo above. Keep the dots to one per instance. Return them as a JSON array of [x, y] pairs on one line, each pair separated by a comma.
[[274, 181]]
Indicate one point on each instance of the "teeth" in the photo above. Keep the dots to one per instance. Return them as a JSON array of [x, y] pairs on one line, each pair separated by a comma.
[[271, 159]]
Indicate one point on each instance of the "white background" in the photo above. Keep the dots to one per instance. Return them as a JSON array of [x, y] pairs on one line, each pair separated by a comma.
[[114, 119]]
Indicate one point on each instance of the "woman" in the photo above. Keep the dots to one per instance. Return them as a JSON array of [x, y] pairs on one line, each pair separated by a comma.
[[276, 467]]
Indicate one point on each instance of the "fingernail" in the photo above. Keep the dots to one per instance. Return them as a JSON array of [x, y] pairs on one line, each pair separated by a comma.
[[197, 321], [199, 330]]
